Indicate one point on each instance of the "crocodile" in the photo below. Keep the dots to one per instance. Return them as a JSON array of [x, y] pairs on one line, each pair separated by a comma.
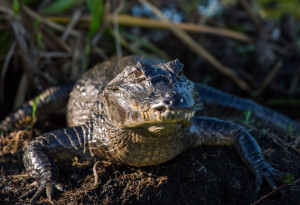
[[146, 115]]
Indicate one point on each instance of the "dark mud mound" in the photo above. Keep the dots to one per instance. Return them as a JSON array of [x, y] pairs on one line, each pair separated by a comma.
[[204, 175]]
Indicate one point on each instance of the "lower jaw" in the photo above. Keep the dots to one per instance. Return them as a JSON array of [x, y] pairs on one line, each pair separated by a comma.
[[157, 129], [162, 129]]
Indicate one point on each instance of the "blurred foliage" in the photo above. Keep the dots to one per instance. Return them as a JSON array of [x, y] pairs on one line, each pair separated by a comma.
[[96, 36], [34, 108], [275, 8], [5, 40], [228, 2], [29, 2], [153, 50], [247, 115], [60, 6], [245, 50], [16, 7], [289, 179], [284, 101], [96, 10], [39, 39]]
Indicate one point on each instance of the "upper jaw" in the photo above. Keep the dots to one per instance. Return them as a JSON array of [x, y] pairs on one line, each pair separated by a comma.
[[166, 121], [168, 115]]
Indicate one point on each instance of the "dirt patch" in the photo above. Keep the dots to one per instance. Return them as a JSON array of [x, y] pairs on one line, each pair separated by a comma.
[[204, 175]]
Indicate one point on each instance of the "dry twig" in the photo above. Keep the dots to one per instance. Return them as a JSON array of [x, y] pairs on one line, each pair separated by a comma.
[[75, 18], [285, 144], [45, 21], [269, 78], [273, 191], [127, 20], [198, 49], [96, 177], [252, 16]]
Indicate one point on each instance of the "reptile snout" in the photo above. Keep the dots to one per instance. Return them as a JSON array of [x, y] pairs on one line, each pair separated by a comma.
[[172, 101]]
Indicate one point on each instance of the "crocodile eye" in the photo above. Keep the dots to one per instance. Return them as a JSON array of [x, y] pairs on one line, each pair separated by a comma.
[[139, 76], [113, 88], [137, 73]]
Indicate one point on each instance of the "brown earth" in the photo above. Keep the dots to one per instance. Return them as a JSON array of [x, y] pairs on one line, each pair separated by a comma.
[[204, 175]]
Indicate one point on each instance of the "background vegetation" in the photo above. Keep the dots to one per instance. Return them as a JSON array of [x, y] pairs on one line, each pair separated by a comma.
[[248, 48]]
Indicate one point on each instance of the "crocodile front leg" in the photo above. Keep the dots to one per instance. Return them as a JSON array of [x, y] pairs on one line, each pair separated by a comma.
[[211, 131], [59, 144]]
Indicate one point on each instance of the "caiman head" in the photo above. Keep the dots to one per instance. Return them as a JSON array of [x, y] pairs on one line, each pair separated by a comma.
[[156, 98]]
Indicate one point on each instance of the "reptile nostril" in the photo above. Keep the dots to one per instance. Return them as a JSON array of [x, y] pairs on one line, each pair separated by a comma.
[[163, 104], [159, 107], [167, 102]]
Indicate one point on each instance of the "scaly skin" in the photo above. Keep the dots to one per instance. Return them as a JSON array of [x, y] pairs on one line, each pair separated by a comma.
[[211, 95], [144, 116], [51, 99]]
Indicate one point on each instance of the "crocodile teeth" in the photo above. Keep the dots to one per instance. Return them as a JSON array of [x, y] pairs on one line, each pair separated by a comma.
[[143, 114], [147, 115], [189, 115], [186, 115], [158, 115], [168, 114]]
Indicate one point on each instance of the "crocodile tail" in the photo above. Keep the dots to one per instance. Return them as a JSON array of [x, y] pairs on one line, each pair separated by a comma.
[[51, 99], [211, 95]]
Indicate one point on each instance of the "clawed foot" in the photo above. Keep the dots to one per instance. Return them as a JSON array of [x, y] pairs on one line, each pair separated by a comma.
[[38, 189], [267, 172]]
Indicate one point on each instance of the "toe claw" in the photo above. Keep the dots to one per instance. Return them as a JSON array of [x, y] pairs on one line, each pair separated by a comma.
[[269, 174], [37, 194], [38, 190], [258, 181], [29, 193], [50, 191], [270, 180], [60, 187]]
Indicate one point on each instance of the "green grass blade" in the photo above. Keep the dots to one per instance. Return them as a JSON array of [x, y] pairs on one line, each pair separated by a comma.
[[34, 109], [16, 7], [247, 115], [60, 6], [96, 10], [146, 44]]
